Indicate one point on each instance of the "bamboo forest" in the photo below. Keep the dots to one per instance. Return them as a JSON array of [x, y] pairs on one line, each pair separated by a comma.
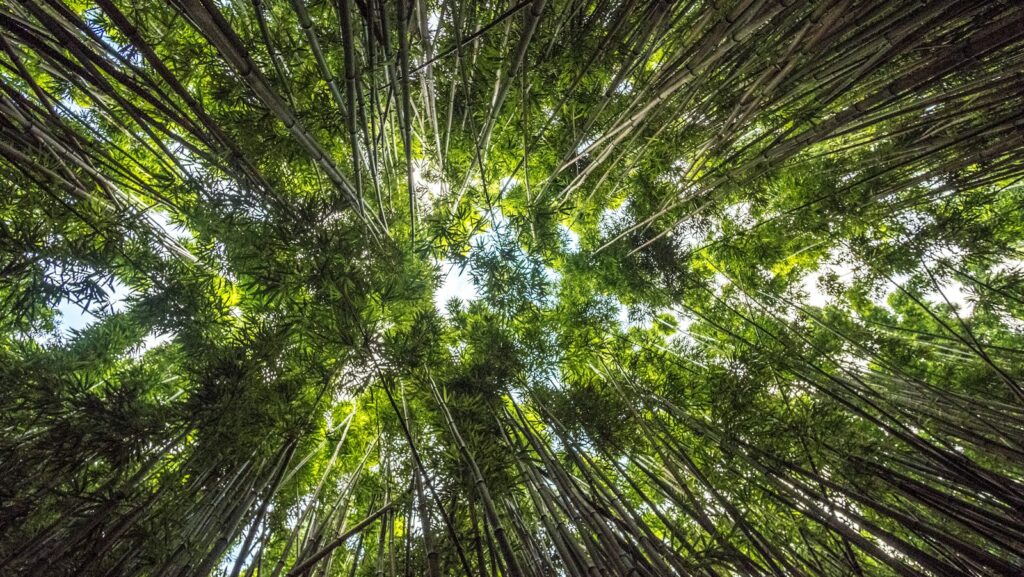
[[503, 288]]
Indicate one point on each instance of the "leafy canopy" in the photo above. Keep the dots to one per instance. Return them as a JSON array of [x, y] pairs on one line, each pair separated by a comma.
[[566, 287]]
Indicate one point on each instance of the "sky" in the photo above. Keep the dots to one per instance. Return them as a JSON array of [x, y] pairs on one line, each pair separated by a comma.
[[455, 283]]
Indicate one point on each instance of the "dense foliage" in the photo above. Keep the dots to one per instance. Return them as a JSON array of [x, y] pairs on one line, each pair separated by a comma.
[[741, 288]]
